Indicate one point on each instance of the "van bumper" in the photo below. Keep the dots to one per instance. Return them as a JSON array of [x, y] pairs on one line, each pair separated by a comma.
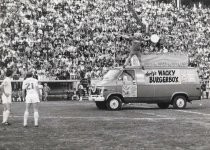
[[96, 98]]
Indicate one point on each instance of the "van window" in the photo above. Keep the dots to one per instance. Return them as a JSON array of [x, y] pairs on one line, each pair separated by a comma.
[[128, 75], [111, 74]]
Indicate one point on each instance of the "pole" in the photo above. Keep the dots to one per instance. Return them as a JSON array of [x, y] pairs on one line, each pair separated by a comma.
[[178, 4]]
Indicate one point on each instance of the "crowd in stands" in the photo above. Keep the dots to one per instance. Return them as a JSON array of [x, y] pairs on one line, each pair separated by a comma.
[[59, 39]]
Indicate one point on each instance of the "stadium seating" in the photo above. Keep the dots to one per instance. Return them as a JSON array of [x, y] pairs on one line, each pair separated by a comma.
[[58, 39]]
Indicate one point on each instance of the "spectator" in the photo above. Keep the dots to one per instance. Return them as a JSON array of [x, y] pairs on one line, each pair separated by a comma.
[[65, 34]]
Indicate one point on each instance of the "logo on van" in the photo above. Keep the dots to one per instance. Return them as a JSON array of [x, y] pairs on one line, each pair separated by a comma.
[[163, 76]]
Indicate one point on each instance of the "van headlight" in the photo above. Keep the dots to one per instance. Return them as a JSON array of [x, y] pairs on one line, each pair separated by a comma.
[[102, 91], [98, 91]]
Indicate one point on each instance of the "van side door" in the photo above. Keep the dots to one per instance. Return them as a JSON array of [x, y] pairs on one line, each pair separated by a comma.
[[145, 91], [129, 86]]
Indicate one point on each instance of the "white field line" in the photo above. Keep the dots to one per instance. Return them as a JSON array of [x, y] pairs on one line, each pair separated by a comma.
[[193, 112], [97, 118], [199, 121], [184, 111]]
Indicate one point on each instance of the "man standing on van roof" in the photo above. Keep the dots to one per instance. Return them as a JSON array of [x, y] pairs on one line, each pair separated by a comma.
[[138, 40], [137, 43], [135, 50]]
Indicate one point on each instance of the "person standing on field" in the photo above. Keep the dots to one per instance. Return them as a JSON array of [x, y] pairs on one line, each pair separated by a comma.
[[33, 96], [40, 89], [6, 88], [203, 89], [207, 89], [46, 90]]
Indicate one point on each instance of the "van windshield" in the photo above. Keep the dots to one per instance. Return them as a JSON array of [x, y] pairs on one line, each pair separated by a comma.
[[111, 74]]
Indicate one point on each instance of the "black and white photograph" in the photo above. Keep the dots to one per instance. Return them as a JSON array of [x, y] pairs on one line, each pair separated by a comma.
[[104, 74]]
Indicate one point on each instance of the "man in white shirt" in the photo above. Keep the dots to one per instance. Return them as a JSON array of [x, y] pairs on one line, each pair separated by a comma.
[[40, 89], [33, 96], [6, 88]]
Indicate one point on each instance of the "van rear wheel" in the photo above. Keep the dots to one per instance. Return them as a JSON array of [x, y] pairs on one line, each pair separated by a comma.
[[179, 102], [114, 103], [163, 105], [101, 105]]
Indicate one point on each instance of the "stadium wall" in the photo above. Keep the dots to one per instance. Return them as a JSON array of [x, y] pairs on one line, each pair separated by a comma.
[[188, 3], [59, 89]]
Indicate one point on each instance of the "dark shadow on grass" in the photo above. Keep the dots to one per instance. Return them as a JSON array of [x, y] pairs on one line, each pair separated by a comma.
[[194, 108], [139, 108], [157, 108]]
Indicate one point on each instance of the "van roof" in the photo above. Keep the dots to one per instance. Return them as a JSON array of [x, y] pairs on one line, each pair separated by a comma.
[[138, 67]]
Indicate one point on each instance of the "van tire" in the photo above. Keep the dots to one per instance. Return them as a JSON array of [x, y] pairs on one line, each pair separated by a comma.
[[179, 102], [114, 103], [101, 105], [163, 105]]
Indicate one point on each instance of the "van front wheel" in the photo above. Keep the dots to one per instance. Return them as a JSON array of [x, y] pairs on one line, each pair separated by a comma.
[[179, 102], [114, 103], [163, 105]]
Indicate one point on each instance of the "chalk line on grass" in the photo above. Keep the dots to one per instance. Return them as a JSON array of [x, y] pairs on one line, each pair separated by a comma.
[[99, 118], [193, 112]]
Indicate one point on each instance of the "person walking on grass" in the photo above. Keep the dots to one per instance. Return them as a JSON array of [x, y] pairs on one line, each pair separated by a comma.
[[6, 88], [33, 96]]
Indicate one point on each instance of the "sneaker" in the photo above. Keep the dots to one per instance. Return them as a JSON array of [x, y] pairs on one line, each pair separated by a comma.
[[6, 123], [36, 126], [25, 126]]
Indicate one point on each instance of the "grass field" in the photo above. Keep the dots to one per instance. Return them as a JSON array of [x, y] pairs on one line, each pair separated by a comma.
[[77, 125]]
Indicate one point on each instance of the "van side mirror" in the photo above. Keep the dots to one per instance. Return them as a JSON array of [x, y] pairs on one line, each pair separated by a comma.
[[120, 78]]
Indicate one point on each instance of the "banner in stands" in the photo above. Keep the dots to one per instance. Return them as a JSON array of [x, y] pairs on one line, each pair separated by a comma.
[[179, 60], [163, 76]]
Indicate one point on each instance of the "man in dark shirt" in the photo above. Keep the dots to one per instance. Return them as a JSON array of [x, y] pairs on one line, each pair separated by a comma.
[[84, 82]]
